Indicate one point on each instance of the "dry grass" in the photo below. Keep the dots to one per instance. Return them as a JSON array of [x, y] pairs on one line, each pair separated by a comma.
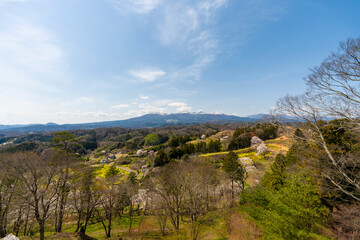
[[240, 227]]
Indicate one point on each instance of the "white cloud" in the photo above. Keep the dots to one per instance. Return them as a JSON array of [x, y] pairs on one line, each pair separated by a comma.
[[143, 97], [147, 74], [177, 104], [184, 109], [146, 108], [87, 99], [119, 106], [135, 6], [161, 106], [180, 106]]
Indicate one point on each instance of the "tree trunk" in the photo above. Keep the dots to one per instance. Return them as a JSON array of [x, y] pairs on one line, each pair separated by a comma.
[[56, 215], [61, 212], [2, 224], [2, 233], [63, 198], [42, 230], [78, 222], [177, 221], [39, 219], [3, 215], [26, 220], [109, 226], [17, 223], [232, 189], [88, 215], [131, 213]]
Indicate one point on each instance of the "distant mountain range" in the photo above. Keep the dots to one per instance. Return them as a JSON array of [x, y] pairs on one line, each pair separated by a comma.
[[145, 121]]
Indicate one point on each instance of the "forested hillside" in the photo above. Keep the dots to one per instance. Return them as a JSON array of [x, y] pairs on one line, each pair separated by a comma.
[[198, 183]]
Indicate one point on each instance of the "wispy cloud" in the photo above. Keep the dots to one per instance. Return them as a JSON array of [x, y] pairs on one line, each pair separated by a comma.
[[184, 21], [191, 29], [183, 26], [145, 108], [120, 106], [29, 56], [147, 74], [135, 6], [33, 69], [192, 26], [14, 1], [187, 25], [87, 114], [80, 101]]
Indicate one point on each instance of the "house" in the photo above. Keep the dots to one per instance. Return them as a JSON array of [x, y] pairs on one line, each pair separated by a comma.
[[104, 160]]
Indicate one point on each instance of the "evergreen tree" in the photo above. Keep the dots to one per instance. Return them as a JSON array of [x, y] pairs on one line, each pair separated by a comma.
[[161, 158], [235, 171]]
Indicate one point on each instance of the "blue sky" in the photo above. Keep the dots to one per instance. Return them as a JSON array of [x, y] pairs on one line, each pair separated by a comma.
[[72, 61]]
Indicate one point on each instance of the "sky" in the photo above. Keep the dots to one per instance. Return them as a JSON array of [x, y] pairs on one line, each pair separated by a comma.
[[75, 61]]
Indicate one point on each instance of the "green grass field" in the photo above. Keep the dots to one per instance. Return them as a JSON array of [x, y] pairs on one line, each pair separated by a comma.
[[213, 226]]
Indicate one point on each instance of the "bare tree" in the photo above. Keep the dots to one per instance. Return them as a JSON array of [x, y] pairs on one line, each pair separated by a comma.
[[168, 185], [64, 156], [200, 182], [38, 176], [162, 217], [184, 189], [131, 188], [8, 184], [110, 192], [85, 197], [335, 83], [334, 91]]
